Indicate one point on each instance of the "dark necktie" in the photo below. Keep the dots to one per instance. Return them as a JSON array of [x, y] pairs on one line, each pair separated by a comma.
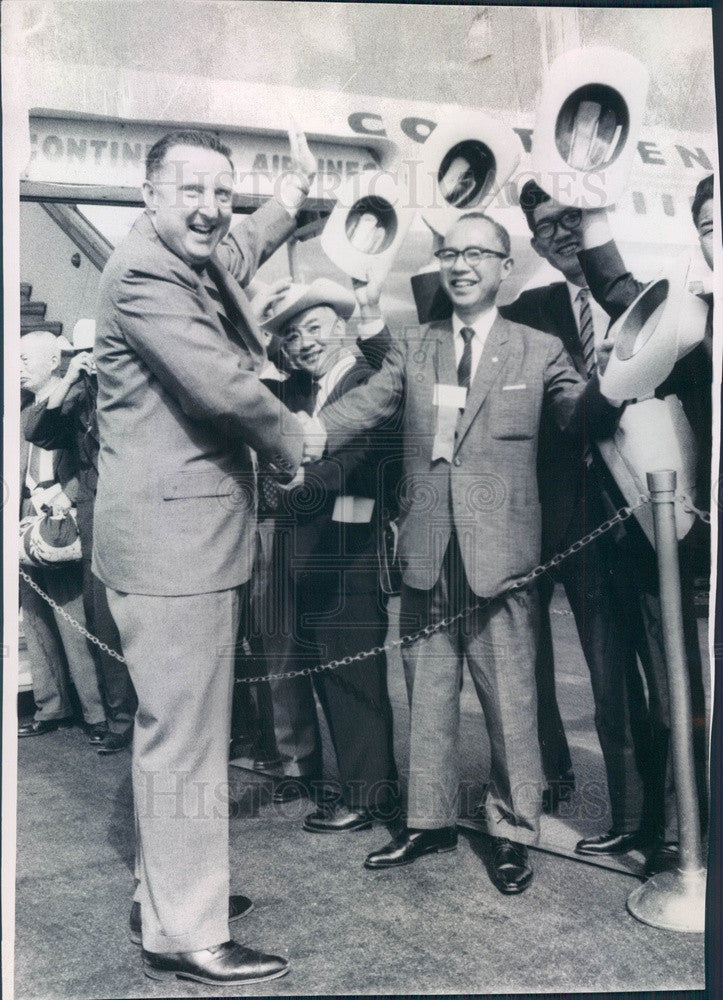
[[464, 368], [587, 332]]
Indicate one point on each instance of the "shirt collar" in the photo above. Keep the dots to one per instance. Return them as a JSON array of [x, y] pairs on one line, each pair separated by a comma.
[[481, 326], [575, 290]]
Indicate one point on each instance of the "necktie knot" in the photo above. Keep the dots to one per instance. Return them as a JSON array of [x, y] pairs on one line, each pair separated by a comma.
[[466, 333]]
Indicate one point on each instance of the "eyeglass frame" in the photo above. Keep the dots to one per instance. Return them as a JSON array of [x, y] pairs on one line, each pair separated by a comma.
[[485, 252], [556, 223]]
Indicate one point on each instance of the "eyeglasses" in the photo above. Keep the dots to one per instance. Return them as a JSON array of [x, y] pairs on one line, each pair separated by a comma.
[[472, 256], [568, 220]]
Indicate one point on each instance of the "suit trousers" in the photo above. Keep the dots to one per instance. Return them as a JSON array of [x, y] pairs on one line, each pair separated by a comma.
[[325, 614], [499, 643], [609, 649], [115, 682], [56, 648], [180, 654]]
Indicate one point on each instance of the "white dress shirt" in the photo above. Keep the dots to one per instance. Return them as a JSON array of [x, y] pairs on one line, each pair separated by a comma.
[[481, 326], [600, 319], [347, 509]]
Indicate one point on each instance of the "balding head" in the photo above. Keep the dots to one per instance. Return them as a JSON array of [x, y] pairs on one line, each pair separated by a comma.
[[39, 359]]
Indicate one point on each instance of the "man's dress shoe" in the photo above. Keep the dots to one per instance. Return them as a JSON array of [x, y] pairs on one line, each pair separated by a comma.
[[293, 789], [508, 867], [227, 964], [115, 742], [559, 790], [337, 818], [38, 727], [412, 844], [664, 858], [97, 733], [238, 906], [612, 842]]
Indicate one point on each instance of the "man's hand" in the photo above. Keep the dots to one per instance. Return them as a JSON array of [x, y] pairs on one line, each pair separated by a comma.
[[314, 437], [368, 294], [296, 182], [264, 303], [81, 362]]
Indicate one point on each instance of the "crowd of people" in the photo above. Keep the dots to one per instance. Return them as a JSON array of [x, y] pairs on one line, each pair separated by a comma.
[[235, 508]]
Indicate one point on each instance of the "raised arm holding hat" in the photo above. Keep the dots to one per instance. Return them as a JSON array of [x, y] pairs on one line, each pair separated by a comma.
[[180, 406], [323, 589]]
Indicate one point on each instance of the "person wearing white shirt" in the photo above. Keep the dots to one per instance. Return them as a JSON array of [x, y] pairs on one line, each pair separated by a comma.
[[323, 595]]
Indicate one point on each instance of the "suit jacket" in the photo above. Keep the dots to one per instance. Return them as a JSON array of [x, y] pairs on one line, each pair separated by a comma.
[[489, 492], [180, 405], [568, 486], [368, 466], [73, 426], [691, 380], [65, 460]]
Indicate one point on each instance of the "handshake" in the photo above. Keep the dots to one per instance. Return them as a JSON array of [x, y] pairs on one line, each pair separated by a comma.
[[314, 437]]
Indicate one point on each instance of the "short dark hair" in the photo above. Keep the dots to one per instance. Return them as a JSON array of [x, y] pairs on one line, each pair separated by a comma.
[[531, 196], [502, 235], [183, 137], [703, 193]]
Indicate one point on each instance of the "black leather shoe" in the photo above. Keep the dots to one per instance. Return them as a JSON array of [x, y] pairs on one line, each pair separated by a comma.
[[413, 844], [508, 866], [612, 842], [664, 858], [337, 818], [238, 906], [38, 727], [227, 964], [115, 742], [292, 789], [97, 733], [559, 790]]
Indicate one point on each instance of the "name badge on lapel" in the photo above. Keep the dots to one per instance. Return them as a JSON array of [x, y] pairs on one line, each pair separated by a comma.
[[449, 400]]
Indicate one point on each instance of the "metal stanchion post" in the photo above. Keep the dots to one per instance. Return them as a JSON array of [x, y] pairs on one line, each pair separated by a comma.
[[675, 900]]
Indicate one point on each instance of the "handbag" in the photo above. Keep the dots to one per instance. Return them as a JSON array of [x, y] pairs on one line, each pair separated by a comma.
[[50, 537]]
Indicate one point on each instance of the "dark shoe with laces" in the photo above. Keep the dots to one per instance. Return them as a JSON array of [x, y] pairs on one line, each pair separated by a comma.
[[664, 858], [38, 727], [238, 906], [97, 733], [336, 818], [409, 845], [115, 742], [508, 867], [227, 964], [612, 842]]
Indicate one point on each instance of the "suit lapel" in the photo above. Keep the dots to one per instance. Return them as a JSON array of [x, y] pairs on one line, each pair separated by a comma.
[[489, 367], [445, 367], [565, 324], [241, 325]]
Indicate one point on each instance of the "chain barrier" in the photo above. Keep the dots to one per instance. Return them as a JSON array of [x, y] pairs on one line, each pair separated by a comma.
[[690, 508], [406, 640]]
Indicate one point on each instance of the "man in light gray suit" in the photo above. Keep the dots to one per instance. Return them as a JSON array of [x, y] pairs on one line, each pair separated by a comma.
[[180, 405], [474, 388]]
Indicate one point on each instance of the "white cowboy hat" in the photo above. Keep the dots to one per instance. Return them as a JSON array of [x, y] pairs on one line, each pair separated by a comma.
[[300, 297]]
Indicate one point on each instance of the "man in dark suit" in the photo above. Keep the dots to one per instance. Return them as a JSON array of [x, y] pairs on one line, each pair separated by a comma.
[[691, 380], [473, 391], [570, 483], [323, 585], [50, 476], [66, 418], [180, 405]]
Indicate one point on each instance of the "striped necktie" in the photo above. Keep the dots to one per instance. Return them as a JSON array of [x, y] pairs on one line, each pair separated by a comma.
[[587, 332], [464, 368]]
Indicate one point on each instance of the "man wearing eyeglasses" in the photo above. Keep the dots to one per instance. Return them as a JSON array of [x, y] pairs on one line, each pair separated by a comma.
[[572, 494], [473, 389]]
